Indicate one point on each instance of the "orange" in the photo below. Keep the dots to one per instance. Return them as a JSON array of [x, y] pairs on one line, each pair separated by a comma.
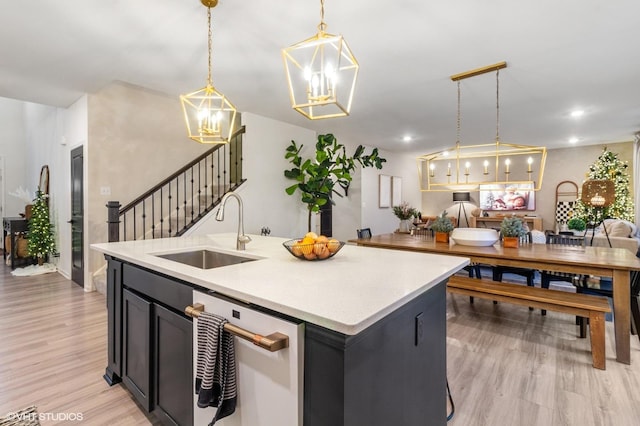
[[306, 246], [333, 245], [320, 249], [296, 249]]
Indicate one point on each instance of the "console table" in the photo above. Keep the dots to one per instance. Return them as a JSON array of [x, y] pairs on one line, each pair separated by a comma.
[[493, 221], [13, 226]]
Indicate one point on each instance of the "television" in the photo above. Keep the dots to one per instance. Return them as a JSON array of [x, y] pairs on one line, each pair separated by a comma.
[[507, 197]]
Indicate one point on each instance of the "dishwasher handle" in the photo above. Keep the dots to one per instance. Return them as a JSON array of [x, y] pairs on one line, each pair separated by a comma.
[[273, 342]]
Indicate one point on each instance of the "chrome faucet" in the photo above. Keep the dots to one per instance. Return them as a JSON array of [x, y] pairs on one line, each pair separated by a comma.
[[242, 239]]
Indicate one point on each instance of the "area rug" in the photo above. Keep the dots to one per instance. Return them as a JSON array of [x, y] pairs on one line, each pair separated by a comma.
[[34, 270], [25, 417]]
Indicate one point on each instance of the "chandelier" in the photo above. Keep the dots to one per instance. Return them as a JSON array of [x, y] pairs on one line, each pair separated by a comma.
[[466, 167], [209, 115], [321, 74]]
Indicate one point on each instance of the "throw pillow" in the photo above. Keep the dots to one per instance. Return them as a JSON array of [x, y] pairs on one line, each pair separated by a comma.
[[618, 229]]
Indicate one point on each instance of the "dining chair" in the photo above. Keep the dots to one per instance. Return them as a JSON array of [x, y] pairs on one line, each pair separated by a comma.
[[546, 277], [364, 233], [604, 287], [530, 274], [635, 300]]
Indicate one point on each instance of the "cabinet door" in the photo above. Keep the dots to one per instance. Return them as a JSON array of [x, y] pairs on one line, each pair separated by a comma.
[[136, 347], [114, 324], [173, 360]]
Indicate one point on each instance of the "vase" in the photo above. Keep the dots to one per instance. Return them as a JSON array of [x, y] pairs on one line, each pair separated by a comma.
[[442, 237], [40, 260], [405, 226], [510, 242]]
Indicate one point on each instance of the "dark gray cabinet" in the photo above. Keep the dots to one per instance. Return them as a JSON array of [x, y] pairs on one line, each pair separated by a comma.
[[136, 347], [113, 372], [150, 347], [173, 373], [392, 373]]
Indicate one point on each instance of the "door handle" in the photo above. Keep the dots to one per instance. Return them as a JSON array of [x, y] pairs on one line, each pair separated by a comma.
[[70, 221]]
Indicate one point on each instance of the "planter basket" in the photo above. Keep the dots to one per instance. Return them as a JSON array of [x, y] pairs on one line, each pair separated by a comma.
[[442, 237], [510, 242]]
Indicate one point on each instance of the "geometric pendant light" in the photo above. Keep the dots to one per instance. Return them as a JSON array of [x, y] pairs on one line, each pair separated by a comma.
[[321, 74], [209, 115]]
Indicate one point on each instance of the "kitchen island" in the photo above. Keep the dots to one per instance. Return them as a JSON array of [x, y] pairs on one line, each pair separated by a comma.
[[374, 320]]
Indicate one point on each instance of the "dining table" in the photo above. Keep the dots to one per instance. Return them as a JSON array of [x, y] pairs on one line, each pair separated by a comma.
[[616, 263]]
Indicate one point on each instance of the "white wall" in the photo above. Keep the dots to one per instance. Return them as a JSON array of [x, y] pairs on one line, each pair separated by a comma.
[[13, 151], [45, 144], [266, 204], [381, 220]]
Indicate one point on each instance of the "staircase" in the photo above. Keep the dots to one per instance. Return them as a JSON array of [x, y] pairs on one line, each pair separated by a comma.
[[174, 205]]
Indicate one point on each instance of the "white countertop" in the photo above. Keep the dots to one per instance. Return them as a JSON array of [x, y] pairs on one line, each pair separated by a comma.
[[346, 293]]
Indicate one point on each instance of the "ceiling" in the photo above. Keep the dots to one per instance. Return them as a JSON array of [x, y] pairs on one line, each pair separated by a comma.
[[561, 56]]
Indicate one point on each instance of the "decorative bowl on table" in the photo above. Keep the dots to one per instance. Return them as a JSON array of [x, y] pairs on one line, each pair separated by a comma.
[[474, 236], [313, 249]]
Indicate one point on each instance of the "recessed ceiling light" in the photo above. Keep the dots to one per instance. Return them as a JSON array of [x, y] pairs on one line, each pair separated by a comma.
[[573, 140], [577, 113], [407, 138]]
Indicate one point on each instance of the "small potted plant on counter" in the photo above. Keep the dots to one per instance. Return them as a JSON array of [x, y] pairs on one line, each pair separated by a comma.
[[577, 225], [442, 226], [512, 228]]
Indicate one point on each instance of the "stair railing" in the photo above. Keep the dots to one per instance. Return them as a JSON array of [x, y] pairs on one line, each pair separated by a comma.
[[177, 203]]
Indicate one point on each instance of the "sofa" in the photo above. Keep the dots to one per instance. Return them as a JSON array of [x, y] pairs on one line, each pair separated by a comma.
[[622, 234]]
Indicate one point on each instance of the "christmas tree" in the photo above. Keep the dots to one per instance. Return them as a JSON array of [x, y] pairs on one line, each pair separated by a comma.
[[609, 167], [40, 234]]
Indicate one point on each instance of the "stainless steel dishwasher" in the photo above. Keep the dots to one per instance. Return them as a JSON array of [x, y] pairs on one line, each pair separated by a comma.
[[269, 384]]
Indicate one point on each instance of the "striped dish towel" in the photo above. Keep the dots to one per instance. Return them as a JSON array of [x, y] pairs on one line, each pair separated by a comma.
[[216, 366]]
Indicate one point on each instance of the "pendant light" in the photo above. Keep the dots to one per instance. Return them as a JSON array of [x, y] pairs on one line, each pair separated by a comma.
[[496, 164], [321, 74], [209, 115]]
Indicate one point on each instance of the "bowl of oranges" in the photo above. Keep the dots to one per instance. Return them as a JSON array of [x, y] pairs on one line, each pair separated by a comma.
[[313, 247]]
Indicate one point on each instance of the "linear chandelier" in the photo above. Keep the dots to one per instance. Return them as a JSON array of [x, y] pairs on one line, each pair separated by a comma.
[[321, 74], [209, 115], [466, 167]]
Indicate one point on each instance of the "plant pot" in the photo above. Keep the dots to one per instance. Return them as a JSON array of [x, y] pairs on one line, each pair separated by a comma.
[[510, 242], [442, 237], [40, 260]]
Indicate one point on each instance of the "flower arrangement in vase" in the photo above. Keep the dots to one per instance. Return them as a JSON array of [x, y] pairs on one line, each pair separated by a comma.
[[512, 228], [405, 213], [442, 226]]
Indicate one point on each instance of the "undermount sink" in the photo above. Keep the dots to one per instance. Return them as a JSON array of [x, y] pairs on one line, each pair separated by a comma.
[[205, 259]]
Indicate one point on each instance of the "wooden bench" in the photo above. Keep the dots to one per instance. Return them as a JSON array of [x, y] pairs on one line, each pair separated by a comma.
[[582, 305]]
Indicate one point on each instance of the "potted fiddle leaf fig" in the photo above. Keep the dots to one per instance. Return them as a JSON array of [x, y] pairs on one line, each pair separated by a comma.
[[442, 226], [512, 228], [317, 177]]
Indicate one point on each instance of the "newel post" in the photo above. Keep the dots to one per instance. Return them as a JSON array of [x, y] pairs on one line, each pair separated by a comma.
[[113, 220]]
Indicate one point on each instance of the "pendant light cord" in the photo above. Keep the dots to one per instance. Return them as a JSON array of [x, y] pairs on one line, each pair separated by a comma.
[[209, 45], [497, 105], [458, 121], [322, 25]]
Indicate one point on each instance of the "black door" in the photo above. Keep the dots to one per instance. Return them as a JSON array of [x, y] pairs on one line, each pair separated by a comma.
[[77, 214]]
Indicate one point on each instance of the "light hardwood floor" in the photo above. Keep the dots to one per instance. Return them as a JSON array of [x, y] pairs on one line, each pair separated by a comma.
[[506, 365]]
